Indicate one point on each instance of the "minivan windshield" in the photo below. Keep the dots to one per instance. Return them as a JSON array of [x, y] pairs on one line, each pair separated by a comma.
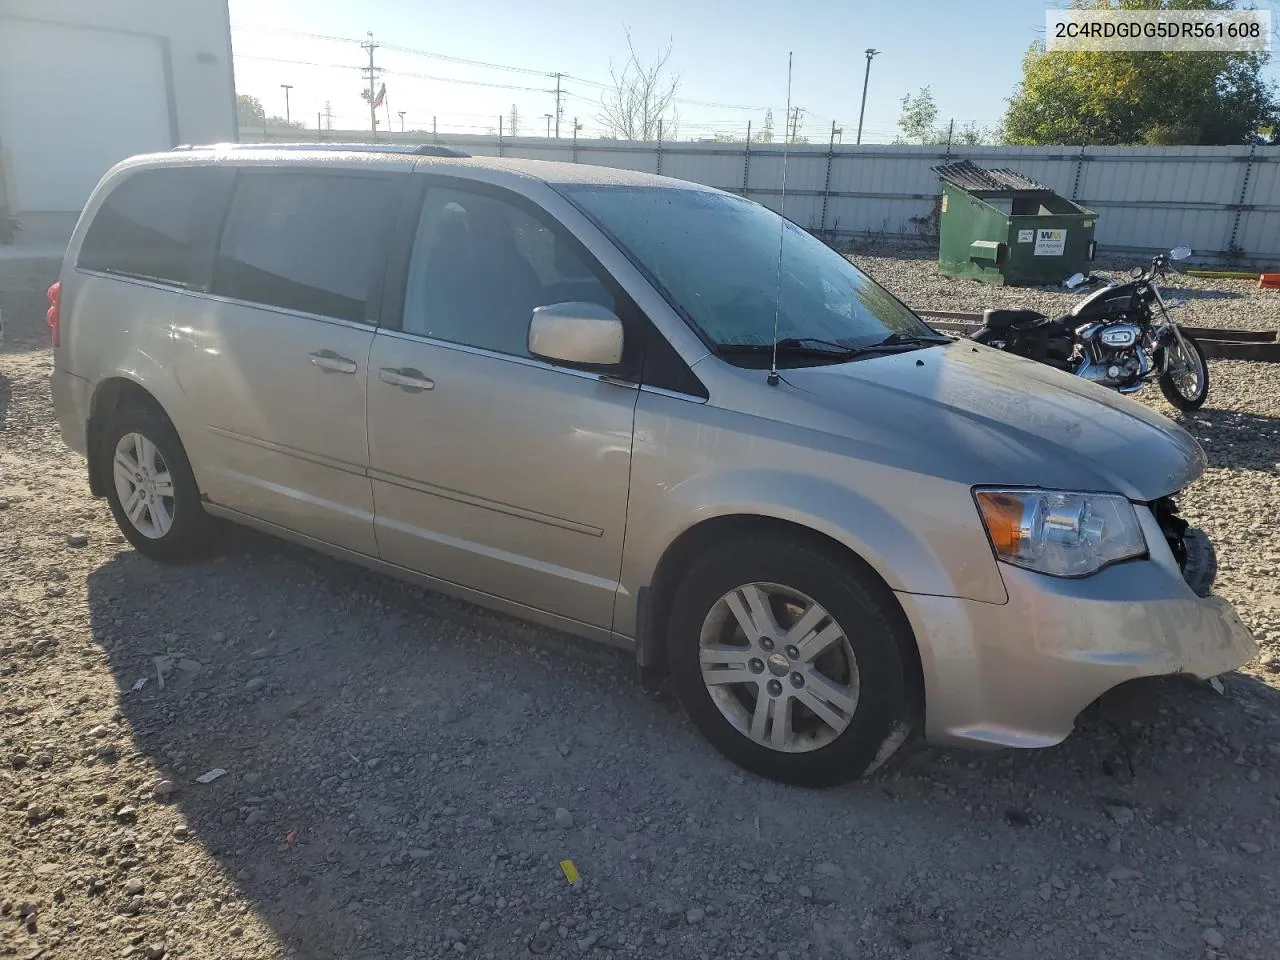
[[715, 257]]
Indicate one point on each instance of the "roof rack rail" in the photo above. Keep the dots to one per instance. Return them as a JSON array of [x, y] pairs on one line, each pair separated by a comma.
[[407, 149]]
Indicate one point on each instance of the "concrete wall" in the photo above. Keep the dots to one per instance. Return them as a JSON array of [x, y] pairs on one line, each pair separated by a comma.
[[1224, 202]]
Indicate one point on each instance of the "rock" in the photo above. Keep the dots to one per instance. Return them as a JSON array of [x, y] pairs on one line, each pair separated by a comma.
[[564, 818], [1250, 847], [134, 888], [260, 654], [181, 832], [99, 731], [829, 870], [1123, 874], [694, 915], [26, 909], [77, 539], [254, 684], [126, 814], [1113, 845], [589, 941], [19, 760], [446, 715], [164, 789], [4, 504], [255, 816], [1120, 815], [43, 759], [771, 878], [805, 893], [1213, 938], [155, 951]]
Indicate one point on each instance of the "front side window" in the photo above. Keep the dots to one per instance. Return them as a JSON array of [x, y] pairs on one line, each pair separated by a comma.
[[159, 225], [304, 241], [480, 266], [716, 257]]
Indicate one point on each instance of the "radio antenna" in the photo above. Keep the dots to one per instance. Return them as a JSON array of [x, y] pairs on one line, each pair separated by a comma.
[[782, 229]]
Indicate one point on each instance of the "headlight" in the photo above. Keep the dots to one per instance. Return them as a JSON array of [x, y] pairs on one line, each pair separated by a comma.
[[1061, 534]]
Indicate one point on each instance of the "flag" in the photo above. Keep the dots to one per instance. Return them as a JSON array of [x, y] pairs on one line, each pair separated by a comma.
[[382, 95]]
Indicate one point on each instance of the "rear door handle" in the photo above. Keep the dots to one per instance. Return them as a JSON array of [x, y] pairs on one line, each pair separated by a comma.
[[331, 362], [407, 379]]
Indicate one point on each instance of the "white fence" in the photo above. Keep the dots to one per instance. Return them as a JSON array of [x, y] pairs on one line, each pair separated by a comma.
[[1224, 202]]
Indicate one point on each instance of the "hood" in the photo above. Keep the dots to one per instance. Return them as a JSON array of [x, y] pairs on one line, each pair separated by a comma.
[[981, 416]]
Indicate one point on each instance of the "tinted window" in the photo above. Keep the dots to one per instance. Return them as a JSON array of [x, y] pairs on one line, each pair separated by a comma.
[[304, 241], [159, 225], [481, 265]]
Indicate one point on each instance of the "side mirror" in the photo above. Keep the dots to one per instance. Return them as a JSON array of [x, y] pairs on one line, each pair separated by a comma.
[[1073, 281], [1180, 253], [576, 332]]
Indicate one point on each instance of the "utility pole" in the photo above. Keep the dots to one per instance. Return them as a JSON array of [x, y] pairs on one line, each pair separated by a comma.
[[548, 116], [319, 127], [369, 46], [288, 118], [559, 109], [401, 114], [328, 115], [434, 135], [866, 77], [515, 121]]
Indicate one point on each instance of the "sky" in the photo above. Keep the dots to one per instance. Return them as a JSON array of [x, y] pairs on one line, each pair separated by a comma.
[[731, 59]]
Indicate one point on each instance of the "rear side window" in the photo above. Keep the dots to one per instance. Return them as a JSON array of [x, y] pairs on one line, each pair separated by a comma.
[[159, 225], [304, 241]]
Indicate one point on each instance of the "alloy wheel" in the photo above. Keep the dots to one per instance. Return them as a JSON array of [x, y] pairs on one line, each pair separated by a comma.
[[779, 667], [144, 485]]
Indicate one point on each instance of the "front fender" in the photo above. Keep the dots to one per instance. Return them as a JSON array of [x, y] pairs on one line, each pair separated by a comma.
[[953, 559]]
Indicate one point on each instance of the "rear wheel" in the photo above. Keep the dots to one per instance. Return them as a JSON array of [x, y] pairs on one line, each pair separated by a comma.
[[1186, 382], [788, 660], [151, 489]]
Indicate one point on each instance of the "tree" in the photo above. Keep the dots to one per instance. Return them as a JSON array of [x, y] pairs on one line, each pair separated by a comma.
[[918, 119], [1117, 98], [249, 112], [641, 96], [972, 135]]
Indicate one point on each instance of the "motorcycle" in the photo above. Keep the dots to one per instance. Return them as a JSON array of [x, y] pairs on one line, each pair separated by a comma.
[[1119, 336]]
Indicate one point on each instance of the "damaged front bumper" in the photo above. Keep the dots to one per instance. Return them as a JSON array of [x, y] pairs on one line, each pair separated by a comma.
[[1018, 673]]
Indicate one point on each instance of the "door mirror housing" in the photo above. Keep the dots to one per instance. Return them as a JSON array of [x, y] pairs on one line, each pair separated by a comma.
[[576, 333]]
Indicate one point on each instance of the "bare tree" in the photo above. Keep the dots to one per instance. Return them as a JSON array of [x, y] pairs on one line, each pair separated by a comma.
[[642, 96]]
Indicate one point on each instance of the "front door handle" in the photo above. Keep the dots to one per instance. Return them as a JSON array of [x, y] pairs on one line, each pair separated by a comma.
[[407, 379], [331, 362]]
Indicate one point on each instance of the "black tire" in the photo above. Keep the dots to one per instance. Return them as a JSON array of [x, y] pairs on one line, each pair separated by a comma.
[[192, 534], [1169, 387], [863, 609]]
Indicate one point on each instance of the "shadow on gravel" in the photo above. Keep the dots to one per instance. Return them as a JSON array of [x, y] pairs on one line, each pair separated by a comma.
[[1244, 441], [395, 761]]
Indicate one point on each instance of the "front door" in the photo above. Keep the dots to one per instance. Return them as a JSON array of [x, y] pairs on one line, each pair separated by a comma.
[[493, 470], [275, 361]]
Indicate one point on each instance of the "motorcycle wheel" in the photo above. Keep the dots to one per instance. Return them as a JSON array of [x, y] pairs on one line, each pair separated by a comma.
[[1186, 383]]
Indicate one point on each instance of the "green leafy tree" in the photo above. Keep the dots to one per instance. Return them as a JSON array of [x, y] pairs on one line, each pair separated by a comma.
[[1119, 98], [249, 112], [917, 123]]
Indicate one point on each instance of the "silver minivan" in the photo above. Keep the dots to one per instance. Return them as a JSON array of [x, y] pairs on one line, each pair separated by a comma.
[[639, 410]]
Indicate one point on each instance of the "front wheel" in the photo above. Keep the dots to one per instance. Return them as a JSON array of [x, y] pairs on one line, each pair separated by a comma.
[[1185, 383], [788, 659]]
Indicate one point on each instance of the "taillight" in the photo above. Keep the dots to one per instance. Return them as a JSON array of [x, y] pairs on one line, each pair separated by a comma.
[[54, 314]]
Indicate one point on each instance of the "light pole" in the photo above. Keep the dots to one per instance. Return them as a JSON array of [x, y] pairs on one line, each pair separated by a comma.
[[287, 87], [865, 78], [401, 113], [548, 116]]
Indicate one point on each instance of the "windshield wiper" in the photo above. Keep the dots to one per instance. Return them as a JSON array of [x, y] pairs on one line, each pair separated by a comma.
[[794, 346], [908, 340]]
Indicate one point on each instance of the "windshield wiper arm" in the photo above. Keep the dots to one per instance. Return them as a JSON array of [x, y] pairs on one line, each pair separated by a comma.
[[909, 339], [794, 346]]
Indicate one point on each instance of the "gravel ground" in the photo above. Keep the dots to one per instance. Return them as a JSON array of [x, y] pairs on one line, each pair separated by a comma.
[[912, 274], [404, 774]]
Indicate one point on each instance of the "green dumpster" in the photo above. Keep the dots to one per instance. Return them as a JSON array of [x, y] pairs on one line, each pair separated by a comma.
[[1000, 227]]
